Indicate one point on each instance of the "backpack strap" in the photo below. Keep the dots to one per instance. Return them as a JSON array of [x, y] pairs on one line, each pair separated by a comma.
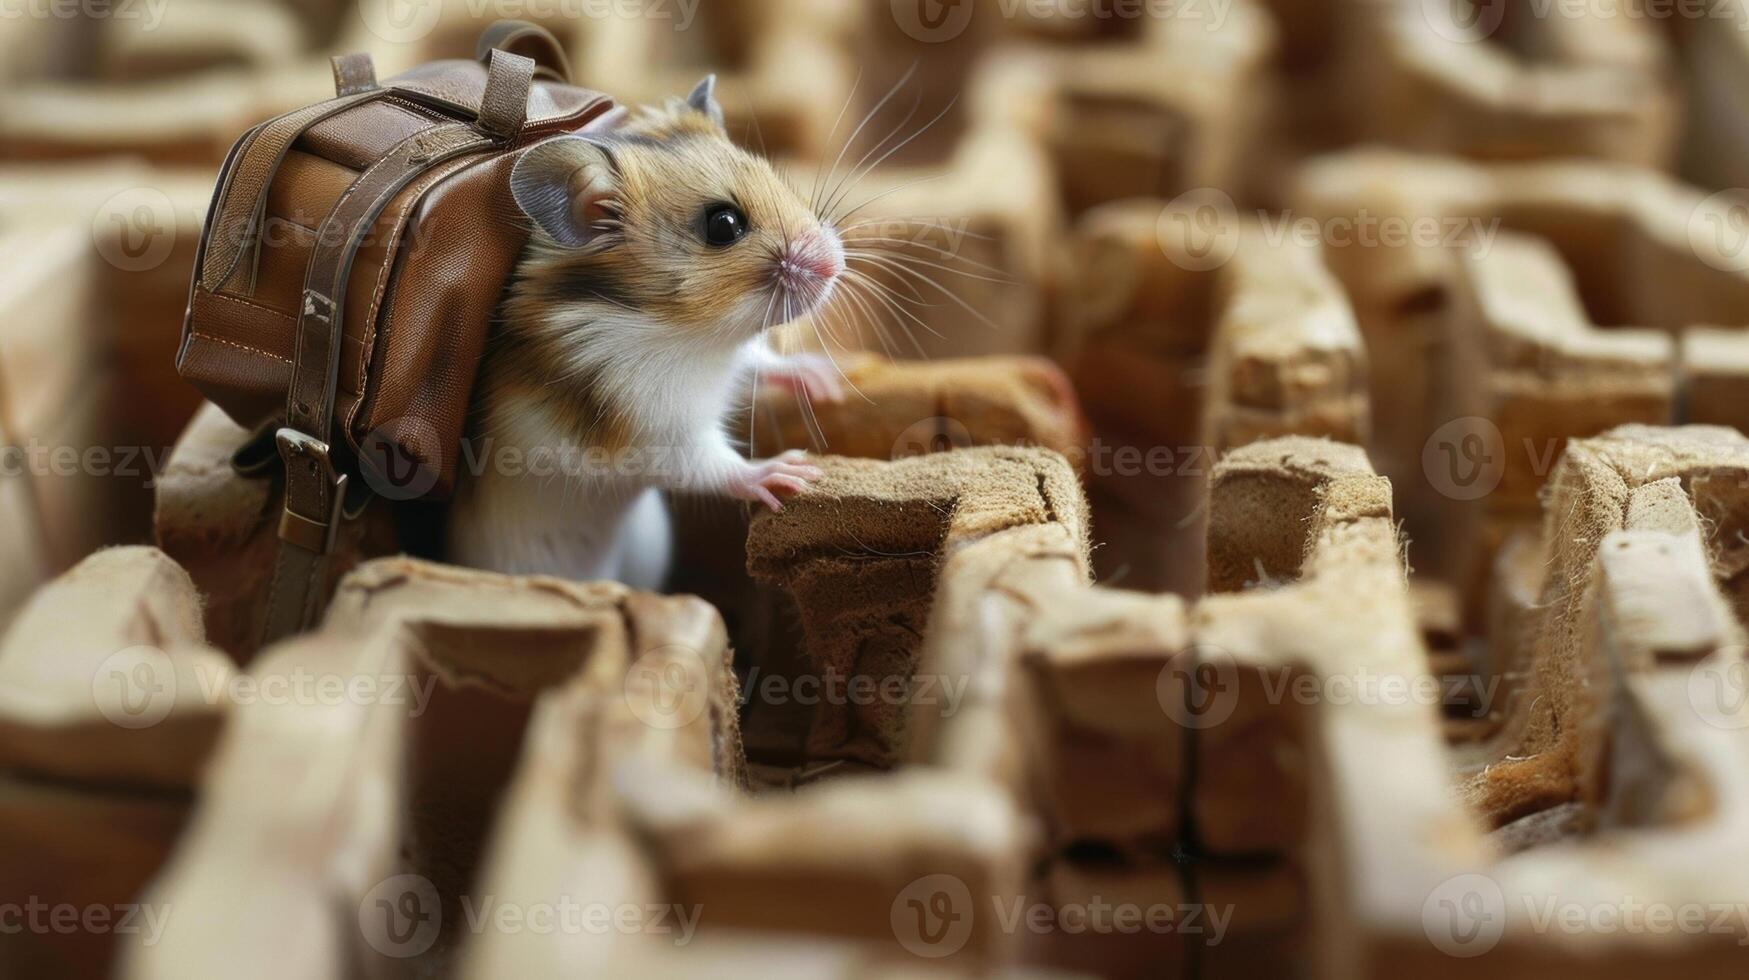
[[504, 103], [315, 488], [353, 73], [531, 41], [241, 208]]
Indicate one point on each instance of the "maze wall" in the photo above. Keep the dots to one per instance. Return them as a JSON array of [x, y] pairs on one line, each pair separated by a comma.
[[1291, 518]]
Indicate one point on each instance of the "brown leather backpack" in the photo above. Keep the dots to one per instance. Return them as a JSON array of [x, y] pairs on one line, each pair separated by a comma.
[[352, 259]]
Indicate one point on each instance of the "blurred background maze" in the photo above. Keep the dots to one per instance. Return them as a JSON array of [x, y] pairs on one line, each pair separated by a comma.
[[1303, 529]]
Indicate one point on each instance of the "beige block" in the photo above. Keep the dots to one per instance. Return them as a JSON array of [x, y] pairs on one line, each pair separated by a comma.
[[107, 678], [1113, 758], [858, 857], [49, 348], [1117, 127], [1464, 319], [896, 409], [186, 38], [758, 51], [858, 553], [90, 851], [1431, 81], [1264, 320], [23, 540], [223, 527], [1715, 377], [1305, 529], [404, 723]]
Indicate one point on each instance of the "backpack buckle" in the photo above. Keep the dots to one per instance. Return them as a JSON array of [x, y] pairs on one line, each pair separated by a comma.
[[314, 492]]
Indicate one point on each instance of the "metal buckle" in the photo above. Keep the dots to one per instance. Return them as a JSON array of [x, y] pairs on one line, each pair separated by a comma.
[[299, 451], [318, 306]]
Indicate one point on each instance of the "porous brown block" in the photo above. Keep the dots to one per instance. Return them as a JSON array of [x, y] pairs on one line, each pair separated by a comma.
[[223, 527], [96, 281], [758, 52], [1548, 373], [1262, 315], [1629, 765], [141, 305], [1614, 534], [987, 595], [1426, 78], [1136, 326], [1113, 760], [1715, 377], [859, 554], [107, 676], [1285, 356], [904, 408], [1185, 340], [1304, 527], [1268, 921], [1084, 929], [109, 707], [49, 349], [1464, 320], [857, 857], [1117, 127], [1625, 231], [401, 764], [1207, 917], [188, 121], [1715, 63], [187, 38]]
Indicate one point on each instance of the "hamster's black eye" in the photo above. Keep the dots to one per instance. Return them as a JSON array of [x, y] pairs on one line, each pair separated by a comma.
[[724, 224]]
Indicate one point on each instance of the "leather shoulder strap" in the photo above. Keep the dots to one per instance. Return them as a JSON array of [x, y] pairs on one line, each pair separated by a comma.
[[315, 364], [504, 103], [353, 73], [241, 209], [314, 487], [531, 41]]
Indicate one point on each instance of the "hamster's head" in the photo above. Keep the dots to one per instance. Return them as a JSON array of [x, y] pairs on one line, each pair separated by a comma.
[[658, 214]]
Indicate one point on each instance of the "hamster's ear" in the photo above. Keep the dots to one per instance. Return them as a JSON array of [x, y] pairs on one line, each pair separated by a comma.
[[569, 186], [703, 98]]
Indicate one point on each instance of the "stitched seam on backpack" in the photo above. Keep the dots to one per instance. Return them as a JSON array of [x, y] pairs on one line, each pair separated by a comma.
[[367, 340], [198, 335]]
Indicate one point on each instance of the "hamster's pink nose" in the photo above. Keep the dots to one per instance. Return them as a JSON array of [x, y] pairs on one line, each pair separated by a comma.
[[818, 254]]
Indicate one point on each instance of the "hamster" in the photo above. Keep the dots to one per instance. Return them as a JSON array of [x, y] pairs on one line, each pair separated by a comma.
[[661, 257]]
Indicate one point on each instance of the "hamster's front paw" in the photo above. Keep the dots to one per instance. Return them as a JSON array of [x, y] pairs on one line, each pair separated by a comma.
[[814, 374], [767, 480]]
